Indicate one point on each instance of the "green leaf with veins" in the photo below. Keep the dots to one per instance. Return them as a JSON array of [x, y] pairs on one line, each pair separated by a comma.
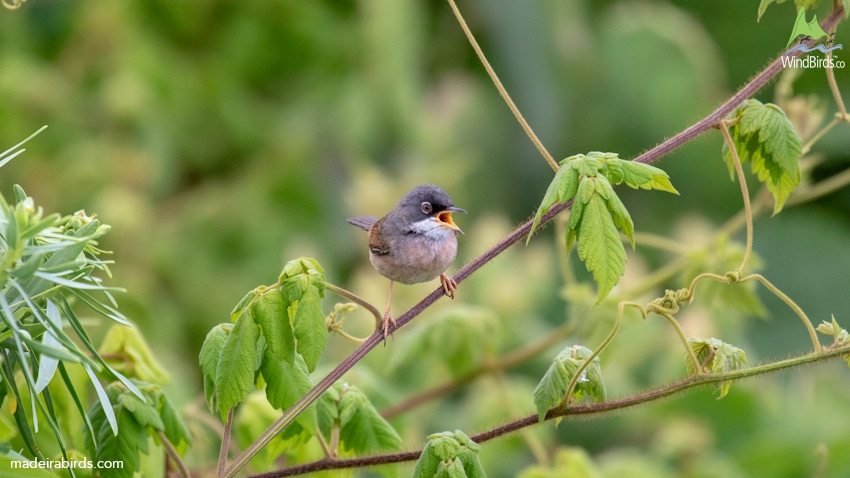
[[599, 244], [449, 454], [562, 188], [552, 388], [766, 138], [269, 312], [597, 212], [363, 430], [236, 364]]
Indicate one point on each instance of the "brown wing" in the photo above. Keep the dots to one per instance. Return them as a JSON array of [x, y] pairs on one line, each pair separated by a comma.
[[376, 244]]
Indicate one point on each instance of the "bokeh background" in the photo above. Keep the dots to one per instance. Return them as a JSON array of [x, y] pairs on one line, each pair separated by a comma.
[[220, 139]]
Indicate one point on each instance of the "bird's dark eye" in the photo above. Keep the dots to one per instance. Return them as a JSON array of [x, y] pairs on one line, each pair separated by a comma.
[[427, 208]]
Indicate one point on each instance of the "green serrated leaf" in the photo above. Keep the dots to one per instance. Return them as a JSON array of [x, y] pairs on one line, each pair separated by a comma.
[[765, 137], [243, 303], [587, 166], [234, 376], [781, 143], [619, 213], [175, 430], [308, 324], [427, 464], [839, 334], [209, 357], [269, 312], [453, 469], [719, 356], [145, 412], [552, 388], [286, 384], [362, 428], [327, 410], [562, 188], [449, 454], [302, 266], [599, 245], [125, 446], [638, 175], [471, 465], [444, 445]]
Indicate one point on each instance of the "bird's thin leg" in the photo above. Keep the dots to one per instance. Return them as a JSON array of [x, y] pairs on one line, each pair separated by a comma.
[[387, 317], [449, 285]]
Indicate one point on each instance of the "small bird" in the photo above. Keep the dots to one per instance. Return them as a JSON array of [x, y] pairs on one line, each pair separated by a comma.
[[415, 242]]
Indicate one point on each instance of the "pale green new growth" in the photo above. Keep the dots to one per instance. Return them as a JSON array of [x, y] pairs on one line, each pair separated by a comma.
[[839, 335], [834, 330], [718, 357], [552, 388], [597, 211], [449, 454], [280, 330]]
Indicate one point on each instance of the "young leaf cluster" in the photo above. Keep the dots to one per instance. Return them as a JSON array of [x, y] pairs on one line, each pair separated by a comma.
[[127, 352], [765, 137], [839, 335], [276, 334], [717, 357], [348, 423], [345, 412], [138, 418], [449, 455], [552, 390], [597, 211], [49, 264]]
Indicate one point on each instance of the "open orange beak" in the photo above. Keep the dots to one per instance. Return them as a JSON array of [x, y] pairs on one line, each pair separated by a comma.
[[445, 218]]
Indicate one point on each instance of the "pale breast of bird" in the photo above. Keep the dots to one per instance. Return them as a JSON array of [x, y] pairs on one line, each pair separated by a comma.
[[424, 261]]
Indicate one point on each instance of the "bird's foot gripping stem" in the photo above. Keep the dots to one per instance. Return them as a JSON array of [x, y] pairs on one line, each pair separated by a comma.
[[449, 285]]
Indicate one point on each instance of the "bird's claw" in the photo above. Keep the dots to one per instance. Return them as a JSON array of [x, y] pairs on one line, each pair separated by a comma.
[[386, 324], [449, 285]]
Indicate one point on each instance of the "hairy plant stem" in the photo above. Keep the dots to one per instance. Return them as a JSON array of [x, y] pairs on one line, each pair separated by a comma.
[[734, 278], [360, 301], [172, 453], [501, 88], [745, 193], [833, 86], [790, 303], [612, 406], [225, 443], [748, 90], [576, 376]]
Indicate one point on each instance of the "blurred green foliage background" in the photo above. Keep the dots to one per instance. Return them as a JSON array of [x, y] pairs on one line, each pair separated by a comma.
[[220, 139]]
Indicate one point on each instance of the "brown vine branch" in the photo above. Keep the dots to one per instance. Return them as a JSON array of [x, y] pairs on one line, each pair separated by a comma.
[[582, 410], [714, 119]]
